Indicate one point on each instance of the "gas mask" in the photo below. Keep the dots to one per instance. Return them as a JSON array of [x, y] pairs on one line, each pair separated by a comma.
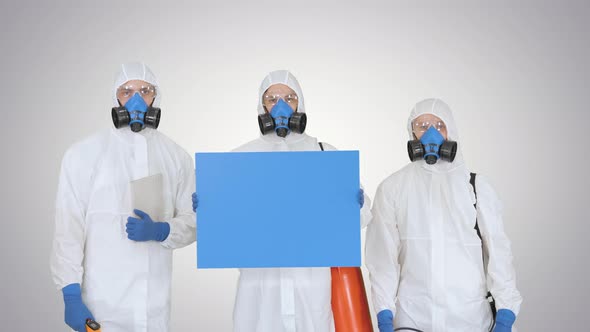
[[282, 119], [431, 147], [137, 114]]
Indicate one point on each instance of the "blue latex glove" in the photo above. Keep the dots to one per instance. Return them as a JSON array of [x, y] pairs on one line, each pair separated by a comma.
[[385, 320], [195, 202], [145, 229], [504, 320], [361, 197], [76, 313]]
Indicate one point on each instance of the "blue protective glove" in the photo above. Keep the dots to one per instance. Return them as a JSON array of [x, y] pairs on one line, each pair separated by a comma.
[[361, 197], [195, 202], [385, 320], [145, 229], [76, 313], [505, 318]]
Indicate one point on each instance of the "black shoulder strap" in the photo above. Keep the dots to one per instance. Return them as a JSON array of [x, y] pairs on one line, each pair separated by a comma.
[[472, 182], [321, 146], [489, 296]]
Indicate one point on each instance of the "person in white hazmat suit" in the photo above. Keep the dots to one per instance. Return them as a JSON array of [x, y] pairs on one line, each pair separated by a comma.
[[423, 252], [111, 266], [285, 299]]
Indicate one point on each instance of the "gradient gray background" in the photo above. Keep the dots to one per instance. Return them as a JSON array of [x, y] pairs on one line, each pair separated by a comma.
[[516, 75]]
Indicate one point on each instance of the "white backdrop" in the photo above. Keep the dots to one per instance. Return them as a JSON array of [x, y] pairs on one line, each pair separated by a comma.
[[515, 75]]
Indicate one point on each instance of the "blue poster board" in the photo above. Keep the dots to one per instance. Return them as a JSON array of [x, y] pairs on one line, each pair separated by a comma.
[[278, 209]]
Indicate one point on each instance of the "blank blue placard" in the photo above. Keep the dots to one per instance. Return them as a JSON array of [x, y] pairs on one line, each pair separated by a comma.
[[278, 209]]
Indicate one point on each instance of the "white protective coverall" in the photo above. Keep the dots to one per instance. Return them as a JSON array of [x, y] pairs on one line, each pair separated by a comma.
[[285, 299], [422, 251], [125, 284]]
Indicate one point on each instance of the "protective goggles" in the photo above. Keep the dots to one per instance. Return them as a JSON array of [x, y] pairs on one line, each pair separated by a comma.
[[270, 100], [422, 126], [127, 91]]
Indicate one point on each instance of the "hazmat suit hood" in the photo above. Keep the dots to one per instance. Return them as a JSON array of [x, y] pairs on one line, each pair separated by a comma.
[[440, 109], [281, 77], [136, 71]]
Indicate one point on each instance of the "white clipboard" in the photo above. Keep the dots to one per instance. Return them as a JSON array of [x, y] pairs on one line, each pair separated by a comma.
[[147, 195]]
